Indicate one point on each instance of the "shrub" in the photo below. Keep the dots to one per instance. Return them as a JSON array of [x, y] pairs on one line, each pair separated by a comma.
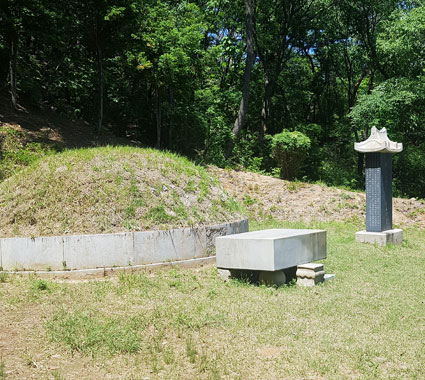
[[313, 158], [289, 150], [247, 153]]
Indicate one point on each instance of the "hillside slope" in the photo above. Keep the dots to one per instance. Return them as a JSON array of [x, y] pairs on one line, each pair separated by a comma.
[[296, 201], [47, 126], [27, 134]]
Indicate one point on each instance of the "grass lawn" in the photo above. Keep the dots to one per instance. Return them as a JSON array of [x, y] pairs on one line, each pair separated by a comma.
[[368, 323]]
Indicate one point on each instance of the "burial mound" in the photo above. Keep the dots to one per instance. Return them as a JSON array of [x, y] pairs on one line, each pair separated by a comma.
[[111, 189]]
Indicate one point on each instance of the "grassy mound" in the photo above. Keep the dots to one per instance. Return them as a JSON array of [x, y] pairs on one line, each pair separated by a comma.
[[111, 189]]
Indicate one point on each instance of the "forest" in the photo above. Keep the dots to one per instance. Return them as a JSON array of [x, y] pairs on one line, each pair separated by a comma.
[[282, 87]]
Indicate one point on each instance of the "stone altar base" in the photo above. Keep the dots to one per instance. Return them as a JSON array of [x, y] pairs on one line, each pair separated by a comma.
[[276, 277], [306, 275], [383, 238]]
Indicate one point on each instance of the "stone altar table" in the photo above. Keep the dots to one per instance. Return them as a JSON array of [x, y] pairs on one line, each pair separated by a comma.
[[270, 251]]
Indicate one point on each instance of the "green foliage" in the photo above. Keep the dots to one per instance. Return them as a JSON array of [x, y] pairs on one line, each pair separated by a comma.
[[213, 122], [248, 201], [245, 153], [397, 104], [17, 152], [83, 333], [312, 131], [159, 215], [312, 162], [3, 276], [191, 351], [170, 37], [171, 73], [409, 171], [2, 371], [289, 149], [400, 42], [287, 141], [337, 173], [40, 285]]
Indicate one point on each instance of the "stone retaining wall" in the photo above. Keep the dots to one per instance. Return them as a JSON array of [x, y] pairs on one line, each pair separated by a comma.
[[69, 252]]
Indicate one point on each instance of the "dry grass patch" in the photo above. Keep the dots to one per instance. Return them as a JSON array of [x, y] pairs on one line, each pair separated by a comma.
[[265, 196], [111, 189]]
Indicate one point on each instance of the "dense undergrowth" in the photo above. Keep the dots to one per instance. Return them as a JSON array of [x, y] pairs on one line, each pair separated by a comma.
[[17, 151]]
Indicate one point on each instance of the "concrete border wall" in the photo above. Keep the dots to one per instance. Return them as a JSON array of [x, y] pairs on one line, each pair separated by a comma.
[[69, 252], [93, 273]]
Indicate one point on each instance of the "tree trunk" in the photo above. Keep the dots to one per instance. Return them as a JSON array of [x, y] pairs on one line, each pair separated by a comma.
[[158, 117], [12, 67], [352, 94], [365, 133], [265, 111], [99, 76], [250, 58], [351, 101], [171, 127], [100, 79], [248, 68], [360, 164], [370, 83]]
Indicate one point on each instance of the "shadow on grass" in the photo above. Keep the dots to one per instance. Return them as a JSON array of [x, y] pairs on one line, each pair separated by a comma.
[[252, 278]]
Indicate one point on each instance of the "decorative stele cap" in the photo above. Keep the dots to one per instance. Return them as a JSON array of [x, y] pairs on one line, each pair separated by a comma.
[[378, 142]]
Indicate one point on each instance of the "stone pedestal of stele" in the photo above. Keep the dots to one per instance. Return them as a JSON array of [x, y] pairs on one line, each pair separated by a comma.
[[378, 150], [269, 253]]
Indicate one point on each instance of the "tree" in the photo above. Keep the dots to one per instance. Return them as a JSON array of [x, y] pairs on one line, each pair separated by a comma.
[[279, 26], [289, 149], [11, 16], [249, 62], [170, 39], [398, 103]]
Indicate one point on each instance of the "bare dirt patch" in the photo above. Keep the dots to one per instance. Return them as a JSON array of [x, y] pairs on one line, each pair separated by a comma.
[[24, 349], [266, 196]]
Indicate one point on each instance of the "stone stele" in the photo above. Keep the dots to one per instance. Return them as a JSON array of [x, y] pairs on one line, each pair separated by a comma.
[[378, 149]]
